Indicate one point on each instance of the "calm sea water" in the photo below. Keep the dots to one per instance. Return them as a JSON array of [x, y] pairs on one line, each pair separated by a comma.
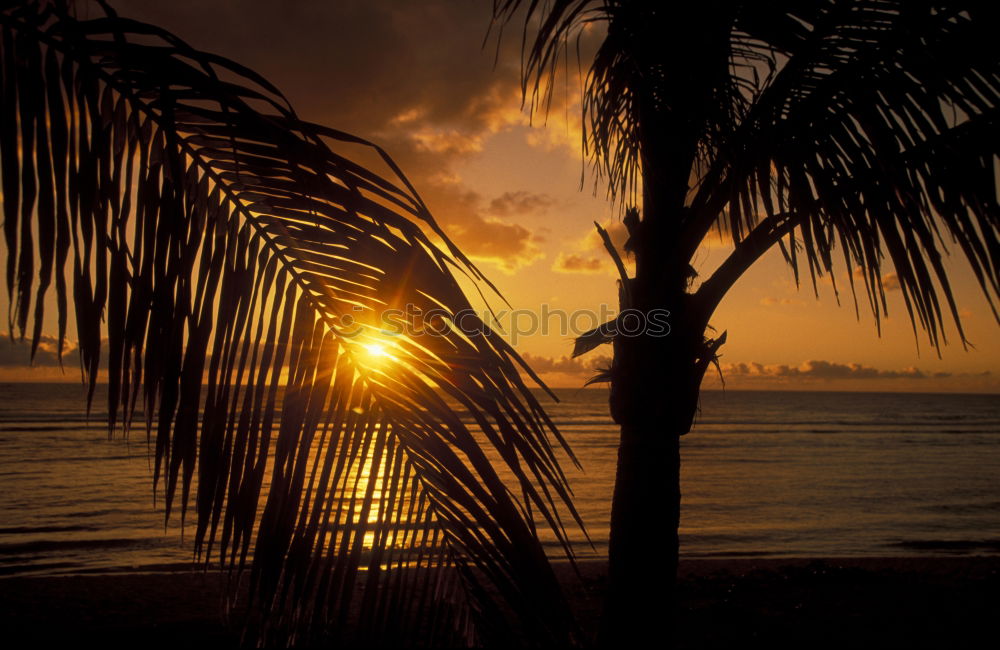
[[764, 474]]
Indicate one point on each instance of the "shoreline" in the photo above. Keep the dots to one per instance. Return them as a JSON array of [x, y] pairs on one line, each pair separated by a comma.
[[912, 601]]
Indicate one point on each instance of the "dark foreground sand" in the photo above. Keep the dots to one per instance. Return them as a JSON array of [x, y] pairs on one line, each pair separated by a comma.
[[873, 602]]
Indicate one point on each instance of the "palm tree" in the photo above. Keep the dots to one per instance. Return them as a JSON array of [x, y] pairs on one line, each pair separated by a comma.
[[289, 323], [865, 130]]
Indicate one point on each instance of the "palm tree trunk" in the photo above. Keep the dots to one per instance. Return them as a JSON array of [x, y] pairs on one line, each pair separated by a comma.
[[655, 381], [640, 607]]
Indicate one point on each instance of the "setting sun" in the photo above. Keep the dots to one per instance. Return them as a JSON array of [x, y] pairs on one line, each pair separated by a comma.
[[375, 355], [376, 350]]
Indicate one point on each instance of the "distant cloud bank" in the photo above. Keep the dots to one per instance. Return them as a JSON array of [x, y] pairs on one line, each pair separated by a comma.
[[17, 352], [815, 369], [815, 373]]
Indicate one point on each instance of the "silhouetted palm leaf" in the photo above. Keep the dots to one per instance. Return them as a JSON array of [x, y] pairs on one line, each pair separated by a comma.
[[225, 243], [868, 124], [878, 134]]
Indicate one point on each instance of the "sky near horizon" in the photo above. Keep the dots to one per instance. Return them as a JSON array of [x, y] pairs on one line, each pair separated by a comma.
[[417, 79]]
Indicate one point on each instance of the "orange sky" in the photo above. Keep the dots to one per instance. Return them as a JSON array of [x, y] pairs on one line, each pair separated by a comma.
[[414, 78]]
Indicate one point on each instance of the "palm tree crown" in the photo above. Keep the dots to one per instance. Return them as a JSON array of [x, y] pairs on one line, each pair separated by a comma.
[[244, 268], [868, 126]]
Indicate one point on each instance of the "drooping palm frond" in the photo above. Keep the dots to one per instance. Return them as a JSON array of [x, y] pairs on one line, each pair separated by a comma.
[[296, 337], [609, 100], [877, 133], [868, 125], [631, 86]]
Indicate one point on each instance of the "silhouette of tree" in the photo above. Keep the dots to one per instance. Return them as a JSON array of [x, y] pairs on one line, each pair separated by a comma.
[[864, 130], [244, 268]]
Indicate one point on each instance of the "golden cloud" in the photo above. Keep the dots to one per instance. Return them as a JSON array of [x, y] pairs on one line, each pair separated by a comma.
[[588, 254], [574, 263]]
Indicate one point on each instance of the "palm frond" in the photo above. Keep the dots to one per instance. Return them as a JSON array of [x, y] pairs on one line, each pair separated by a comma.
[[878, 131], [245, 269], [609, 101], [873, 122], [632, 96]]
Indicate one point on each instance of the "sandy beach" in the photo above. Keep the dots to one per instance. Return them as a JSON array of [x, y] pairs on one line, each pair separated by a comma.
[[857, 602]]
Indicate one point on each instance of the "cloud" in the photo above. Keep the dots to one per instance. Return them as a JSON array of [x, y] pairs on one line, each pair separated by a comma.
[[584, 367], [816, 373], [17, 353], [818, 369], [616, 231], [890, 282], [588, 254], [461, 214], [16, 364], [359, 63], [510, 246], [520, 202], [386, 71], [574, 263]]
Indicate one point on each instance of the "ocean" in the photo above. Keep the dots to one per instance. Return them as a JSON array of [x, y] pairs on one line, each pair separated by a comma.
[[764, 474]]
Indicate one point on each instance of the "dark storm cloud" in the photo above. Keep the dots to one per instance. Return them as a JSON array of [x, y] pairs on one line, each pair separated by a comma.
[[415, 77], [357, 63]]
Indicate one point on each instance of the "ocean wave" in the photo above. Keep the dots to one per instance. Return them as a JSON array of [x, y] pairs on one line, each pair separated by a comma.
[[47, 545], [30, 530], [961, 545]]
